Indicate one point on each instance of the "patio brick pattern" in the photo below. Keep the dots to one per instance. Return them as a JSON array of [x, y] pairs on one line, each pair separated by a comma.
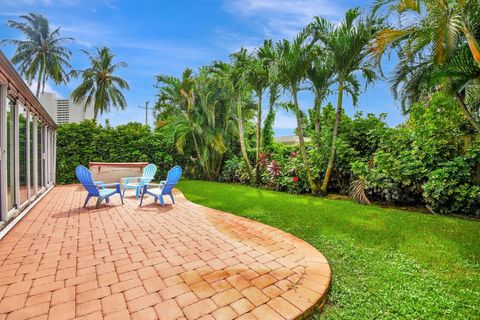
[[184, 261]]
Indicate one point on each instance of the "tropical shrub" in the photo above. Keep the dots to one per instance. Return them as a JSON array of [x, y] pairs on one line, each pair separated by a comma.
[[426, 161], [454, 187]]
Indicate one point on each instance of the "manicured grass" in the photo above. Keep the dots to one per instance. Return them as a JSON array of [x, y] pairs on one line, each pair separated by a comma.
[[386, 263]]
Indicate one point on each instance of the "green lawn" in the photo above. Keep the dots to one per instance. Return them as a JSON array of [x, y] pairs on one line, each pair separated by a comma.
[[386, 263]]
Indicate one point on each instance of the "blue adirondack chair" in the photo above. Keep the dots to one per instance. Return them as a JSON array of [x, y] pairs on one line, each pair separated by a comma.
[[147, 176], [164, 187], [86, 179]]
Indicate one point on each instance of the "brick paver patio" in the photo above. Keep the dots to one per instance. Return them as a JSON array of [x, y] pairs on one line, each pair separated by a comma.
[[180, 262]]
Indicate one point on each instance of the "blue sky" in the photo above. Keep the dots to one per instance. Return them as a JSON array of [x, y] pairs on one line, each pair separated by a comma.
[[165, 37]]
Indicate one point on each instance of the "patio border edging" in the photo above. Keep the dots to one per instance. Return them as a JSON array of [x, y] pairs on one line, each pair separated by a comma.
[[318, 274]]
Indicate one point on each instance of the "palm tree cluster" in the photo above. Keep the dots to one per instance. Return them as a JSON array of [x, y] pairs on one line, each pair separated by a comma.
[[438, 49], [200, 112], [436, 43], [323, 56], [42, 55]]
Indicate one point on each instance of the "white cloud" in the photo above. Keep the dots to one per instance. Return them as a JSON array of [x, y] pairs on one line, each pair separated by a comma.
[[233, 41], [280, 18], [48, 88]]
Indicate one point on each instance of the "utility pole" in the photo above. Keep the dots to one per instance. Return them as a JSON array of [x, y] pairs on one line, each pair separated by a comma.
[[146, 111]]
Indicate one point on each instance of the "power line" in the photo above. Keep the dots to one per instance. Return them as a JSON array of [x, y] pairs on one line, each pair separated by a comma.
[[146, 111]]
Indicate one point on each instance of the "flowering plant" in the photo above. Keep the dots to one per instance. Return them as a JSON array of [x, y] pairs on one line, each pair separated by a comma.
[[274, 169]]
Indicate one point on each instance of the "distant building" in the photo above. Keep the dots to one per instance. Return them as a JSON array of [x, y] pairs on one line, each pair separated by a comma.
[[65, 110], [290, 140]]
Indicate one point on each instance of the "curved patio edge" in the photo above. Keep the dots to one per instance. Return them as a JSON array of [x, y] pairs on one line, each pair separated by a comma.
[[181, 262], [310, 291]]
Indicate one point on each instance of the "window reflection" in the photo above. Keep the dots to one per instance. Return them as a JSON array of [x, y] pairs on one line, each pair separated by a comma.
[[32, 152], [40, 155], [22, 159], [10, 155]]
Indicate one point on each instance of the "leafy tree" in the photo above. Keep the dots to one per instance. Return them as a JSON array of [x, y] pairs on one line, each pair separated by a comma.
[[176, 95], [99, 84], [231, 79], [320, 74], [267, 54], [292, 60], [199, 111], [211, 125], [437, 42], [349, 46], [257, 76], [42, 55]]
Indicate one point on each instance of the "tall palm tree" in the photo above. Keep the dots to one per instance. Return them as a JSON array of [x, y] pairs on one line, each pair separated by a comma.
[[198, 109], [175, 95], [231, 77], [256, 75], [320, 74], [99, 84], [432, 33], [292, 61], [349, 46], [210, 125], [267, 54], [176, 100], [41, 56]]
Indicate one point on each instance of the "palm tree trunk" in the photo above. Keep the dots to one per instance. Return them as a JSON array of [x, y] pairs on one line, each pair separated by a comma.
[[333, 151], [259, 137], [44, 80], [242, 139], [39, 80], [317, 115], [301, 141], [200, 161], [269, 119], [217, 171], [95, 113], [467, 112]]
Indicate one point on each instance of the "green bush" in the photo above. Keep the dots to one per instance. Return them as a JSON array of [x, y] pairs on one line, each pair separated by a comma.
[[425, 161], [450, 188], [84, 142]]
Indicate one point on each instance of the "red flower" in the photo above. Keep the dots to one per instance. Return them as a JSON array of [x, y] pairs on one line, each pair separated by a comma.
[[294, 154], [295, 179]]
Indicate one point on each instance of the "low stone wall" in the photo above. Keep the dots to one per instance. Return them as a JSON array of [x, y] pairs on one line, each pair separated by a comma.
[[110, 172]]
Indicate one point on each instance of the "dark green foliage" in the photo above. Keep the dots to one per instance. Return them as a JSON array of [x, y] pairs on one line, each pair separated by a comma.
[[81, 143], [426, 161], [450, 187], [432, 160]]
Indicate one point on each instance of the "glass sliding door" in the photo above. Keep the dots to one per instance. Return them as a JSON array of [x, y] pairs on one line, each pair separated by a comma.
[[10, 155], [31, 161], [40, 144], [22, 157], [47, 157]]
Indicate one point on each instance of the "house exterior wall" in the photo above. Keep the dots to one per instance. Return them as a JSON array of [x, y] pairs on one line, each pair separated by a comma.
[[27, 145]]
